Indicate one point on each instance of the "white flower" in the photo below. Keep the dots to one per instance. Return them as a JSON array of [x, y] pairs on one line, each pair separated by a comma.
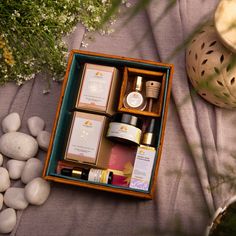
[[16, 13], [97, 19], [19, 82], [84, 45], [46, 91], [128, 4], [110, 31], [91, 8]]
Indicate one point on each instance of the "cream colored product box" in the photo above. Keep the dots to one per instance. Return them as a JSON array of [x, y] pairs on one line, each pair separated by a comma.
[[98, 89], [143, 166], [87, 143]]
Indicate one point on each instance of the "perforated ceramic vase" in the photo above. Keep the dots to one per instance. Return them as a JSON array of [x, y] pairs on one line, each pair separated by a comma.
[[210, 68]]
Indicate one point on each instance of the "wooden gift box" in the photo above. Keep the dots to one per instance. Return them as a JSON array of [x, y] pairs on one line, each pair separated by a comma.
[[67, 102]]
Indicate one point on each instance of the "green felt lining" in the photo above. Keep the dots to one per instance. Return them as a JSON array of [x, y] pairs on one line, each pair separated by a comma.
[[69, 99]]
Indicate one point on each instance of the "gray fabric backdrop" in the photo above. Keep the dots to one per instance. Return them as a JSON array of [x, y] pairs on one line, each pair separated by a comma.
[[183, 203]]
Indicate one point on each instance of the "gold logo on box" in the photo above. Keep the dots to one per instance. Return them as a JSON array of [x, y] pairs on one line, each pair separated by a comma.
[[99, 74], [88, 123]]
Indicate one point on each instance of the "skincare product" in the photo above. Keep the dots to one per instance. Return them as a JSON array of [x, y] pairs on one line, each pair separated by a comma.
[[125, 128], [93, 175], [86, 142], [135, 99], [144, 160], [152, 92], [149, 137], [97, 90]]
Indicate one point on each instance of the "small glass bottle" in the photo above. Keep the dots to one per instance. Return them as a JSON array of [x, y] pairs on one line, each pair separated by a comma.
[[93, 175], [149, 137], [135, 99]]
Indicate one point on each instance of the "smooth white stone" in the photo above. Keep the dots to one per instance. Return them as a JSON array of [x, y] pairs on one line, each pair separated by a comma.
[[33, 169], [18, 145], [1, 201], [11, 122], [37, 191], [15, 168], [7, 220], [1, 159], [43, 139], [35, 125], [15, 198], [4, 179]]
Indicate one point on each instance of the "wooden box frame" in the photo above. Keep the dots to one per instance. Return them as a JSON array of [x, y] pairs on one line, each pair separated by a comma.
[[67, 102], [158, 76]]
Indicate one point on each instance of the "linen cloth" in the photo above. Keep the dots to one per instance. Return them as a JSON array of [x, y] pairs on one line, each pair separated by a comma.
[[199, 140]]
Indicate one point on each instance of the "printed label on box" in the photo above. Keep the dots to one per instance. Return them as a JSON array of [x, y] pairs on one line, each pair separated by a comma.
[[142, 171], [96, 86], [85, 137]]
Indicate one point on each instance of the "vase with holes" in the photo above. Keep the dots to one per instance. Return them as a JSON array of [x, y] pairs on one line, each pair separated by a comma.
[[223, 221], [210, 60]]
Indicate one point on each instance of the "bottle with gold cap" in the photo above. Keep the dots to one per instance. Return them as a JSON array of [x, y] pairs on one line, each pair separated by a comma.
[[149, 137], [144, 160], [135, 98], [93, 175]]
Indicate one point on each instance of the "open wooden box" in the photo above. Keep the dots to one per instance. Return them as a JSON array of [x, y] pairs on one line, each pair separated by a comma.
[[67, 102]]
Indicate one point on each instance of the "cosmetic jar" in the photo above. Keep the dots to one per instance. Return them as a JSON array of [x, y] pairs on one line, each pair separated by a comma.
[[125, 128]]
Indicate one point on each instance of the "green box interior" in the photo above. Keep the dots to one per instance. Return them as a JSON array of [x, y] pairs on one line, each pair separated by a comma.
[[68, 102]]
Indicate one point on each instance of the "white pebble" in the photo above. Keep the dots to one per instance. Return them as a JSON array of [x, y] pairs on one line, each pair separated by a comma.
[[1, 159], [35, 125], [18, 146], [1, 201], [15, 198], [15, 168], [11, 122], [43, 139], [33, 169], [7, 220], [37, 191], [4, 180]]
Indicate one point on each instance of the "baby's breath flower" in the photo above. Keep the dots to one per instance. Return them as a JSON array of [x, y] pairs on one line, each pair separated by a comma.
[[84, 45], [32, 32], [46, 91]]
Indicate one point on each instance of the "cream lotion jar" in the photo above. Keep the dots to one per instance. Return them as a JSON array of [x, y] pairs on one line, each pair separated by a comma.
[[125, 128]]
